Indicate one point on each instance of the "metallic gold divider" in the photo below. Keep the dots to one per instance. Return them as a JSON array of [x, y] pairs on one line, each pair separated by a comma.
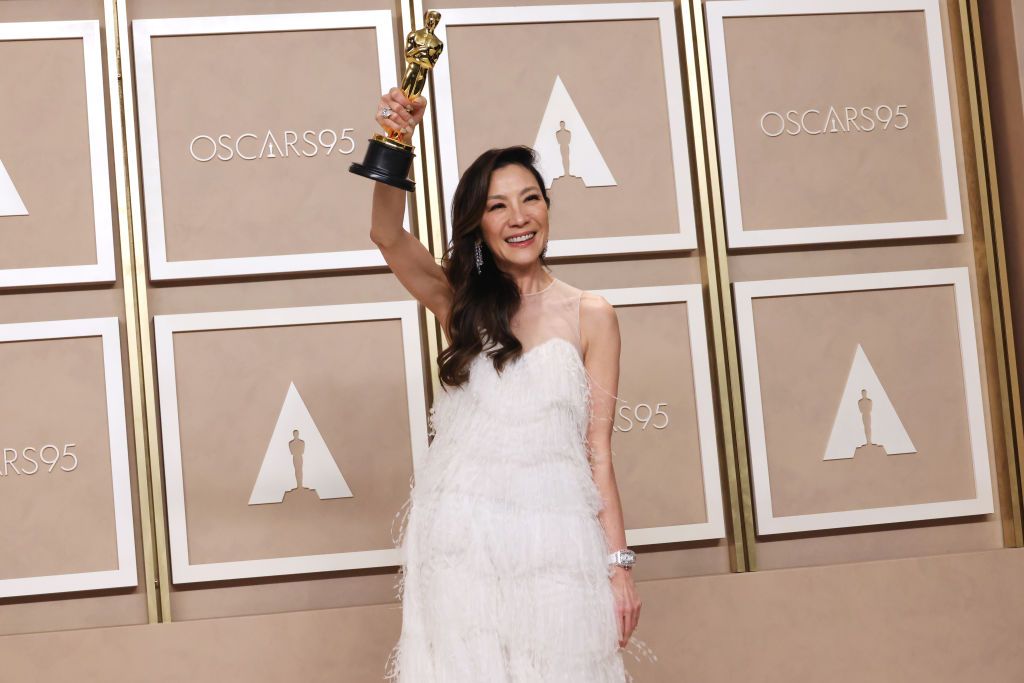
[[429, 197], [734, 439], [995, 260], [162, 580], [137, 361], [427, 227]]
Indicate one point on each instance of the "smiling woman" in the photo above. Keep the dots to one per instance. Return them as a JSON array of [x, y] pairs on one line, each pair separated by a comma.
[[501, 198], [515, 565]]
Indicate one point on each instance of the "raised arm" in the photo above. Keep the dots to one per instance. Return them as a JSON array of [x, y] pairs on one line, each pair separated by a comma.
[[599, 327], [410, 261]]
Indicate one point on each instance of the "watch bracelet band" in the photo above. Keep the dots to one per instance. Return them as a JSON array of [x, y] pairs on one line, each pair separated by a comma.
[[623, 557]]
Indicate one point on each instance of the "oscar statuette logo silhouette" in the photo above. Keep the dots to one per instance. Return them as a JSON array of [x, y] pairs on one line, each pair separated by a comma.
[[566, 149], [866, 420], [388, 159], [297, 458]]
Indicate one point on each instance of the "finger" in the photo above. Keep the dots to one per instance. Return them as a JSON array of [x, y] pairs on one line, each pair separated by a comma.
[[418, 106], [404, 118], [388, 124], [634, 620], [399, 114], [387, 102], [400, 97], [417, 115], [397, 117]]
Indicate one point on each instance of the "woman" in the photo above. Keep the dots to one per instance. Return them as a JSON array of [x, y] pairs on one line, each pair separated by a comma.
[[511, 572]]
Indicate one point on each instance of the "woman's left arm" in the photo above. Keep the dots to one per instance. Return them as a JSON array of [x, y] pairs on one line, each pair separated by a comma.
[[601, 342]]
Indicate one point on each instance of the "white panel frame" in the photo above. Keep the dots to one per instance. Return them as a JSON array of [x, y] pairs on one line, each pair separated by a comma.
[[103, 223], [737, 235], [707, 433], [959, 278], [144, 30], [125, 574], [664, 13], [183, 569]]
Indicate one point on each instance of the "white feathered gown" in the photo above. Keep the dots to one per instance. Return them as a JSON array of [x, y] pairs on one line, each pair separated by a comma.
[[505, 577]]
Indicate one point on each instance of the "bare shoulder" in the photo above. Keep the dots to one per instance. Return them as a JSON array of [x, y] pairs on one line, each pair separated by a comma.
[[598, 321], [596, 307]]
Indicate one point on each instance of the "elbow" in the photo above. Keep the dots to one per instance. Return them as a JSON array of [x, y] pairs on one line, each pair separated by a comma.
[[381, 239]]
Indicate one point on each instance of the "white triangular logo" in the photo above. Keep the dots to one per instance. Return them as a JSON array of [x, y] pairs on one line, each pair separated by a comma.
[[297, 450], [866, 415], [563, 138], [10, 200]]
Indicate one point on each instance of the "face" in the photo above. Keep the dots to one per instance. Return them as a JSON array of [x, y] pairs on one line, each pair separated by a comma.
[[515, 221]]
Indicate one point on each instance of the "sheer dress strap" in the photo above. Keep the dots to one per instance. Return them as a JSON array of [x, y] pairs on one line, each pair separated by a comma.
[[551, 313]]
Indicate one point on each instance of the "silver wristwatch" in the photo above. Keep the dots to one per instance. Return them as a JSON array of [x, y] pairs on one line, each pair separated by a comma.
[[622, 558]]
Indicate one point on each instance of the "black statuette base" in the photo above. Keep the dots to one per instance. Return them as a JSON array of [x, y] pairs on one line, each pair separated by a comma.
[[387, 161]]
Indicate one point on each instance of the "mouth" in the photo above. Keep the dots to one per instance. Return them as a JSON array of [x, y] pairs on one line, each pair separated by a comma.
[[523, 239]]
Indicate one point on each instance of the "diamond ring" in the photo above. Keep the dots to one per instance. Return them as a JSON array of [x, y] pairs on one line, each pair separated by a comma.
[[385, 113]]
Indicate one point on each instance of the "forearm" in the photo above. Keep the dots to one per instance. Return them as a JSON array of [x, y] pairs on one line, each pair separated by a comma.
[[387, 214], [403, 115], [610, 516]]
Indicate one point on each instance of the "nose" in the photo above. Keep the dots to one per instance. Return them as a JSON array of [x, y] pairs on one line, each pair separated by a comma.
[[517, 216]]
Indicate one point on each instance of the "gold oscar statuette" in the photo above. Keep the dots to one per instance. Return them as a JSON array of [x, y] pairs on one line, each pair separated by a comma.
[[388, 159]]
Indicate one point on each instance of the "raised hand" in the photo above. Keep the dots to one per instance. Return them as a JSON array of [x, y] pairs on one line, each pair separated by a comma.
[[403, 114]]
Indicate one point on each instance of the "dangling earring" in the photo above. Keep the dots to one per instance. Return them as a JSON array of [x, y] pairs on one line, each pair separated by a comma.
[[479, 256]]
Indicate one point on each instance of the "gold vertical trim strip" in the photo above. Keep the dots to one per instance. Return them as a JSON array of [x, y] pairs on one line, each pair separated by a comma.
[[431, 197], [131, 321], [163, 576], [734, 442], [421, 199], [995, 258]]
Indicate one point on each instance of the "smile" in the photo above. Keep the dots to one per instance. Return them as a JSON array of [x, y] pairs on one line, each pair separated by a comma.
[[522, 240]]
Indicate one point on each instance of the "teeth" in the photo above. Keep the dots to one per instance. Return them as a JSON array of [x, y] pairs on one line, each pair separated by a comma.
[[521, 238]]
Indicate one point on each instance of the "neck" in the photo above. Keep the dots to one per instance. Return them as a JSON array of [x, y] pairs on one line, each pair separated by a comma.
[[533, 280]]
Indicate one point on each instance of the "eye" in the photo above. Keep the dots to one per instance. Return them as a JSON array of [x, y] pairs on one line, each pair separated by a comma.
[[492, 207], [533, 197]]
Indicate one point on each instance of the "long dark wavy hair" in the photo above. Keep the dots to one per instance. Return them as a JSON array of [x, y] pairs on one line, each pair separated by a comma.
[[482, 305]]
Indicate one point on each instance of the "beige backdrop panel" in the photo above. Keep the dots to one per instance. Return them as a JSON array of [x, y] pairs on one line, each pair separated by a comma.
[[56, 522], [621, 99], [94, 608], [231, 386], [255, 83], [805, 347], [658, 470], [816, 61], [922, 538], [44, 145]]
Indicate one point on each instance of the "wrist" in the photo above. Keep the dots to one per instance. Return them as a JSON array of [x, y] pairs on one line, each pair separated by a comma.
[[624, 558]]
